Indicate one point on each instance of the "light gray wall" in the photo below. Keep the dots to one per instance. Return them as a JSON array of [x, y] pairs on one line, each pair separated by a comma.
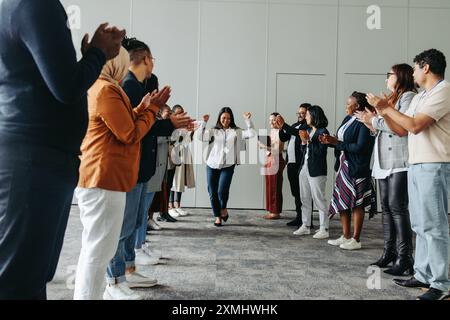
[[270, 55]]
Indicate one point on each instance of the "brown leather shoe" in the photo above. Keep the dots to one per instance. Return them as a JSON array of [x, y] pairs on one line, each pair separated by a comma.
[[272, 216]]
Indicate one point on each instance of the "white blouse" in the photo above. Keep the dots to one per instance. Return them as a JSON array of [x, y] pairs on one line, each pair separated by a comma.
[[224, 149]]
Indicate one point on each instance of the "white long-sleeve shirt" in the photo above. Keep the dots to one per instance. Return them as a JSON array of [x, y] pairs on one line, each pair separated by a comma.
[[226, 145]]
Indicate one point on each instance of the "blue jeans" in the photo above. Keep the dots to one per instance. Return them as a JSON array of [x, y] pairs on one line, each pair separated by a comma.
[[428, 186], [132, 220], [141, 231], [219, 181], [36, 190]]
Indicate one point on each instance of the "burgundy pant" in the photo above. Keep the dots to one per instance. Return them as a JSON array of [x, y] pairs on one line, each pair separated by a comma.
[[274, 188]]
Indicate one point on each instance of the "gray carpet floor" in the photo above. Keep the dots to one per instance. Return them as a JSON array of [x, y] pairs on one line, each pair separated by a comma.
[[248, 259]]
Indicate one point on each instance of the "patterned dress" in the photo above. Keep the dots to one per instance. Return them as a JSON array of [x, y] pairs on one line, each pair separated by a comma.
[[350, 193]]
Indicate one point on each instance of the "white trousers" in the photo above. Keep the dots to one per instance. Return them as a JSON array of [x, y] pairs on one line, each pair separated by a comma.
[[313, 190], [101, 213]]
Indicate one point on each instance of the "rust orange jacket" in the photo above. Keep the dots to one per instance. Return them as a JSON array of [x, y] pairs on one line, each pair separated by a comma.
[[110, 152]]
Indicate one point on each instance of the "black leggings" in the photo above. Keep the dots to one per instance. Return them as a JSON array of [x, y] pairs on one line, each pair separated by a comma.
[[175, 197]]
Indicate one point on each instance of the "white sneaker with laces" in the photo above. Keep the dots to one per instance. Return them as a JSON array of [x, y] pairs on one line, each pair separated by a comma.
[[136, 280], [153, 225], [143, 259], [120, 291], [174, 213], [181, 212], [338, 241], [321, 234], [351, 245], [151, 252], [303, 230]]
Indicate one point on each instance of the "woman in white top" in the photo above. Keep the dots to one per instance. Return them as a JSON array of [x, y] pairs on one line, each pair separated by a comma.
[[391, 170], [226, 141]]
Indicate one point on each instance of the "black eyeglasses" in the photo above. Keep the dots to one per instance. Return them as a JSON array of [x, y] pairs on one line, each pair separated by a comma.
[[389, 74]]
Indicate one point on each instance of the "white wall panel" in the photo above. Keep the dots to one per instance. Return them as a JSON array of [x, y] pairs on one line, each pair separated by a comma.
[[232, 73], [267, 55]]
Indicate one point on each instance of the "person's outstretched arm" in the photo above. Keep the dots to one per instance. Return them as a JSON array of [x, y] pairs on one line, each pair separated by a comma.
[[42, 28]]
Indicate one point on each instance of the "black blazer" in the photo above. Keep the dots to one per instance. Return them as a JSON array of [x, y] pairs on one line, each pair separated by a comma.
[[135, 91], [317, 158], [147, 165], [358, 147], [285, 135]]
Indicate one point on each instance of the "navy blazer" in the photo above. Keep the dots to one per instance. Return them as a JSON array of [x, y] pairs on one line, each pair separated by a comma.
[[317, 157], [43, 88], [135, 91], [285, 135], [358, 147]]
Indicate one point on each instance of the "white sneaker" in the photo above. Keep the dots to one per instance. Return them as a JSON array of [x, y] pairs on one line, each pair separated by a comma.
[[339, 241], [351, 245], [181, 212], [303, 230], [321, 234], [136, 280], [120, 292], [151, 252], [174, 213], [143, 259], [153, 225]]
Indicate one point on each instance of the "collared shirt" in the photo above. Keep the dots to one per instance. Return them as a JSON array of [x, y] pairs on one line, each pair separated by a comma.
[[291, 147], [224, 151], [432, 145]]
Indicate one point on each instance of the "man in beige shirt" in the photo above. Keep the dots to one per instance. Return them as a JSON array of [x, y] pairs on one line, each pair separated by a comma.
[[428, 124]]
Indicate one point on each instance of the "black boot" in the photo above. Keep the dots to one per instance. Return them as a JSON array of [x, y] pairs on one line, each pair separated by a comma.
[[405, 260], [404, 265], [297, 222], [386, 258], [389, 253]]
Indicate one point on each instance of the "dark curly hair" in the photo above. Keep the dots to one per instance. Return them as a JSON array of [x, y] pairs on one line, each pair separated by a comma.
[[361, 100], [435, 59], [138, 50]]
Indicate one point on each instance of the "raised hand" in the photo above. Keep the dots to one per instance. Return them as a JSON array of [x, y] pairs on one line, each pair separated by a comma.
[[206, 117], [107, 39], [247, 115], [146, 101], [304, 135], [327, 139], [182, 121], [365, 117], [280, 121], [161, 97]]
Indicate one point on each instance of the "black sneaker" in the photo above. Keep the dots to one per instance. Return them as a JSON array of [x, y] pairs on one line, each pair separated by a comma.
[[166, 217], [434, 294], [297, 222], [410, 283]]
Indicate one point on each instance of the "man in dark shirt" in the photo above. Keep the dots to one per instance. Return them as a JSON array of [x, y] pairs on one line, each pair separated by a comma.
[[123, 266], [294, 157], [43, 119]]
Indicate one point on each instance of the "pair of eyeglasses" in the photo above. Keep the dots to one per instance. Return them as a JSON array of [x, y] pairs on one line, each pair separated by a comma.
[[389, 74]]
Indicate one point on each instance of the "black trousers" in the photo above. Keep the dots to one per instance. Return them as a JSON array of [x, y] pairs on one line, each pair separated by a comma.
[[36, 190], [293, 171], [396, 222]]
